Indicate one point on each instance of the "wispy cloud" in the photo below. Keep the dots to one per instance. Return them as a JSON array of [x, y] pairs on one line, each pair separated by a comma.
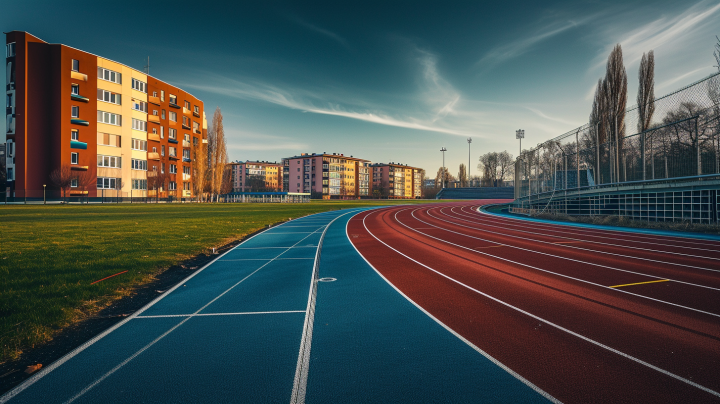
[[554, 119], [250, 141], [337, 38], [517, 48]]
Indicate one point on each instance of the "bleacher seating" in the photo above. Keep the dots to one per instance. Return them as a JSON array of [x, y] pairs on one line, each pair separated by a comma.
[[477, 193]]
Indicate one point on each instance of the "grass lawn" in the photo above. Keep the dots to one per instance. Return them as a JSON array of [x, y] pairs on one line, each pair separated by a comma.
[[50, 255]]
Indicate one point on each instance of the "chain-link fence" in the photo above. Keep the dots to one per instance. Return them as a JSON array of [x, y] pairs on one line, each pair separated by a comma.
[[683, 140]]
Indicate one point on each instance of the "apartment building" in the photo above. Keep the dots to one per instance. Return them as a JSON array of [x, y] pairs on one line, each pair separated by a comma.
[[114, 126], [256, 176], [330, 176], [396, 181]]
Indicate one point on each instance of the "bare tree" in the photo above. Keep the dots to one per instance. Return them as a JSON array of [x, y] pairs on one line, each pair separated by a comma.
[[85, 179], [506, 166], [717, 53], [218, 152], [616, 91], [489, 167], [227, 184], [462, 176], [199, 169], [62, 178], [646, 91]]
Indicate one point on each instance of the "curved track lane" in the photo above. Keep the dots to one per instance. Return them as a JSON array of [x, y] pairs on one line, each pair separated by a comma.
[[587, 315]]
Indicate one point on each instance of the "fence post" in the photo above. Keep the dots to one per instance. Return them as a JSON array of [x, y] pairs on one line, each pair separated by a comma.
[[697, 136], [642, 152], [597, 153], [577, 160]]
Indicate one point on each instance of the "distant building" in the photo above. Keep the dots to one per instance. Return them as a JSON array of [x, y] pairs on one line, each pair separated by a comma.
[[396, 181], [256, 176], [327, 176]]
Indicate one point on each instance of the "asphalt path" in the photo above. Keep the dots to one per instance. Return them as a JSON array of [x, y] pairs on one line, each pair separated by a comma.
[[584, 314]]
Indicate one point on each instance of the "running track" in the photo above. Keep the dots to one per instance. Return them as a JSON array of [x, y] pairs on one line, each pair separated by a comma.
[[583, 314]]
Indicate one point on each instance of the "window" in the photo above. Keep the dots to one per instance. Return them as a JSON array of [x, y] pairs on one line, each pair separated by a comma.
[[109, 118], [162, 166], [186, 170], [107, 96], [75, 111], [186, 186], [162, 132], [106, 139], [187, 138], [76, 65], [109, 183], [139, 105], [155, 95], [73, 158], [197, 109], [136, 164], [186, 153], [138, 144], [195, 141], [74, 135], [139, 85], [139, 184], [162, 95], [172, 133], [154, 130], [163, 114], [172, 151], [172, 186], [74, 183], [155, 112], [10, 174], [109, 75], [173, 99], [196, 127], [187, 105], [109, 161], [9, 101], [162, 151], [154, 149], [173, 169], [186, 121], [173, 116], [74, 89], [139, 125], [10, 50]]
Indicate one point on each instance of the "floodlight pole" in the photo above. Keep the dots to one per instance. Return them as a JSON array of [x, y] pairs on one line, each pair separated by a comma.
[[44, 200], [469, 140], [443, 150], [519, 135]]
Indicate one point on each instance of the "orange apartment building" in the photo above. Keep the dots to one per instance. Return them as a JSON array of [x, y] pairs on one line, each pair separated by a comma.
[[111, 122], [330, 176], [396, 181], [245, 174]]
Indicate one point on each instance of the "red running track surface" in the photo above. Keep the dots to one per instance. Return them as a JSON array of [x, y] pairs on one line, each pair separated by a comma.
[[546, 300]]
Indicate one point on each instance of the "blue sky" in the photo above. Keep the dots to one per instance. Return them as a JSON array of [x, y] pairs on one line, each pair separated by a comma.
[[387, 80]]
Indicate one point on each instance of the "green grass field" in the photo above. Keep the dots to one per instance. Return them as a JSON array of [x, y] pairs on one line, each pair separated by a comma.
[[50, 255]]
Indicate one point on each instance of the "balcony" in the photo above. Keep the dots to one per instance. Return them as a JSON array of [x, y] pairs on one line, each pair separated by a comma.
[[154, 137], [186, 193], [205, 141], [77, 121], [171, 140], [154, 100], [153, 156], [78, 97], [186, 111], [173, 157], [153, 118], [151, 173], [185, 127], [197, 131], [186, 177], [78, 168], [74, 144], [186, 144], [196, 114], [187, 159], [78, 76], [174, 105]]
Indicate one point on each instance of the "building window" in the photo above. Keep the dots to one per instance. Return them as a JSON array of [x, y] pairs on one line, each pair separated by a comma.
[[74, 183], [139, 86], [109, 183], [173, 168], [173, 116], [139, 184], [172, 186], [162, 115], [172, 133], [162, 151], [173, 151], [162, 132], [196, 127], [197, 109], [154, 95], [109, 118], [109, 75], [155, 112], [106, 139], [173, 99], [10, 50], [76, 65], [186, 121], [162, 166], [74, 89], [109, 161], [154, 130], [75, 111], [138, 144], [73, 158], [107, 96], [139, 105], [74, 135], [136, 164], [186, 153], [139, 125], [162, 95], [154, 149], [187, 105]]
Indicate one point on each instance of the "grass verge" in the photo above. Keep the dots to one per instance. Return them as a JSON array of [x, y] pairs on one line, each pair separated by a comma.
[[50, 255]]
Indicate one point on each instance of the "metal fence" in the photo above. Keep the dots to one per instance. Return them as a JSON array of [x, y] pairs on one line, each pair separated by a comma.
[[683, 140]]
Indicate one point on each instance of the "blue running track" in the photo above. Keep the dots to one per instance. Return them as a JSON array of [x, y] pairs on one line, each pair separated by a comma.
[[257, 326]]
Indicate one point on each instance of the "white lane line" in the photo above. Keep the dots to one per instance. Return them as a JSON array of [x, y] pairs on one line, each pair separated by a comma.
[[460, 337], [270, 233], [146, 347], [575, 248], [566, 230], [263, 259], [576, 239], [46, 370], [555, 273], [303, 364], [267, 248], [222, 314], [698, 241], [584, 338]]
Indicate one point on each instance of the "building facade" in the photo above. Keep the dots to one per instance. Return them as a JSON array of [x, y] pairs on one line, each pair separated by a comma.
[[396, 181], [330, 176], [115, 127], [254, 176]]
